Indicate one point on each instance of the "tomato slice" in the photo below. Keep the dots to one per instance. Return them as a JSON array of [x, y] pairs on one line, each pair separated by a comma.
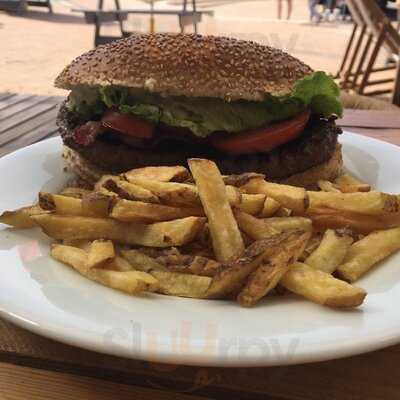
[[262, 139], [127, 124]]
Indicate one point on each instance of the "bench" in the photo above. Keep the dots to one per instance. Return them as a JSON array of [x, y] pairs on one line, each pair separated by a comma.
[[20, 6], [100, 16]]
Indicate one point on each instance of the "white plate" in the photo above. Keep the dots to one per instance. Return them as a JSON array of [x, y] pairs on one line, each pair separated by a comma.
[[50, 299]]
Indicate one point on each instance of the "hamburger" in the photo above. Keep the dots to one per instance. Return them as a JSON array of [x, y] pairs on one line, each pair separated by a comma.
[[159, 99]]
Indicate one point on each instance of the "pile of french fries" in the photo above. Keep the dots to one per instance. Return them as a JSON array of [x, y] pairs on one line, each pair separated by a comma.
[[203, 235]]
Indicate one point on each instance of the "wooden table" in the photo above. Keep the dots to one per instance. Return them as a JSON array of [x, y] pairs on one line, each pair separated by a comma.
[[32, 367]]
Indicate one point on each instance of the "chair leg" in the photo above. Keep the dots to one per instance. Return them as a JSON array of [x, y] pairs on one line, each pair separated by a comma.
[[347, 52], [347, 75], [120, 21], [361, 61], [181, 23], [194, 16], [97, 24], [372, 60], [396, 89]]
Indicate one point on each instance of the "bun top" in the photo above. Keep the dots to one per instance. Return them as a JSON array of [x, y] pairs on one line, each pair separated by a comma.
[[187, 65]]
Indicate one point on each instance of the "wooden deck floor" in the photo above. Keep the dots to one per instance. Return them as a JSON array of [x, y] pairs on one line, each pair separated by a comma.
[[26, 119]]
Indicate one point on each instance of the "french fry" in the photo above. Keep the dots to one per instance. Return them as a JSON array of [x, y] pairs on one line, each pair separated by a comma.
[[100, 251], [233, 194], [370, 203], [197, 265], [330, 253], [80, 243], [288, 223], [349, 184], [242, 179], [182, 285], [158, 252], [230, 276], [271, 206], [76, 192], [141, 261], [274, 267], [63, 205], [312, 245], [254, 227], [173, 256], [100, 184], [72, 256], [137, 211], [117, 264], [225, 235], [365, 253], [327, 186], [22, 218], [283, 212], [258, 228], [200, 247], [131, 282], [332, 219], [130, 191], [46, 202], [321, 287], [252, 203], [294, 198], [162, 174], [104, 191], [92, 204], [171, 193], [161, 234], [96, 204]]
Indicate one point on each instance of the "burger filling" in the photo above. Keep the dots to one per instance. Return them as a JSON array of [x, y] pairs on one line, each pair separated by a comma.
[[149, 124], [232, 127]]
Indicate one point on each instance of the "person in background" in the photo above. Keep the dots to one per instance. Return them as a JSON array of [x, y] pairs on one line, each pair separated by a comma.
[[289, 9], [330, 6], [390, 12], [315, 16]]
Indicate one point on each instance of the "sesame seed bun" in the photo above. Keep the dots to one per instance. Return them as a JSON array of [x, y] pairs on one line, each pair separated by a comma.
[[187, 65], [328, 170]]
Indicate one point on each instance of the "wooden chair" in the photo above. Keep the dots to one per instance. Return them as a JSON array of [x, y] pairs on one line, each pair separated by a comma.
[[379, 33], [387, 37]]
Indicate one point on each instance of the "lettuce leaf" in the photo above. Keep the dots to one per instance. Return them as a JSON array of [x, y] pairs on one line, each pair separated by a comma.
[[86, 101], [319, 91], [206, 115], [146, 111], [203, 116]]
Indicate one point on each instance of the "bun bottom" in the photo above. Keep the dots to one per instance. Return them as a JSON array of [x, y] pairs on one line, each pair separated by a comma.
[[328, 170]]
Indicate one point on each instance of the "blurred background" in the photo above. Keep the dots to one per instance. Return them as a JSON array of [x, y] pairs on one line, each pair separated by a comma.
[[37, 42]]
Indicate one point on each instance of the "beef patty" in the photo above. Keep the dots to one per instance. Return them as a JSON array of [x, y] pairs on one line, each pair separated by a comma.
[[113, 153]]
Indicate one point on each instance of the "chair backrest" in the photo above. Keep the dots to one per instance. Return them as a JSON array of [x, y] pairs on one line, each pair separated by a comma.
[[375, 19], [355, 12]]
